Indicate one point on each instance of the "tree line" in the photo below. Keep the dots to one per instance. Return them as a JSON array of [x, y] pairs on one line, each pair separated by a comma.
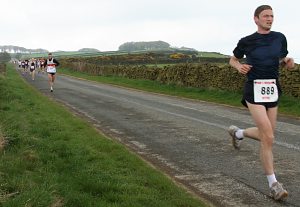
[[4, 57], [17, 49]]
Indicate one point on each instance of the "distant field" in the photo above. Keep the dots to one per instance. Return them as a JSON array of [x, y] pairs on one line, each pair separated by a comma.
[[94, 54], [212, 54]]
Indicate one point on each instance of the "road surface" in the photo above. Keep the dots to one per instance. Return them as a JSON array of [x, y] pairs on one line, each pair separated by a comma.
[[186, 139]]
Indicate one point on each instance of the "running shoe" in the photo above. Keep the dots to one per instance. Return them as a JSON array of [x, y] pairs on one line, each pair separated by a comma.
[[236, 142], [51, 89], [278, 192]]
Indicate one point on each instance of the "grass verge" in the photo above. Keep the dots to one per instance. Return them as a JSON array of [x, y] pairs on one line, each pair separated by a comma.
[[51, 158], [288, 105]]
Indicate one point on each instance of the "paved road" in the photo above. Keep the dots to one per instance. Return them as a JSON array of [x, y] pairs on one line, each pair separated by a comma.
[[186, 139]]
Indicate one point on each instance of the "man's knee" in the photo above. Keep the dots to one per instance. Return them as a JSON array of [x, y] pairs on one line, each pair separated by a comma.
[[267, 140]]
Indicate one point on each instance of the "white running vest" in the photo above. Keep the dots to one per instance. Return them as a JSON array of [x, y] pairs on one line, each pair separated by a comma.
[[51, 66]]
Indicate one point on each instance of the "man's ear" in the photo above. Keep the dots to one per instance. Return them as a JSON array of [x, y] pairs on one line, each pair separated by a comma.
[[255, 19]]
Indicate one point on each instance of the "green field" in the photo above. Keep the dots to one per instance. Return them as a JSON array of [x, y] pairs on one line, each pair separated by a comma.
[[212, 55], [107, 53]]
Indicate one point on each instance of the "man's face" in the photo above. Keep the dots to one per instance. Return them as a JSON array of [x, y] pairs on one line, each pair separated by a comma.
[[50, 56], [265, 20]]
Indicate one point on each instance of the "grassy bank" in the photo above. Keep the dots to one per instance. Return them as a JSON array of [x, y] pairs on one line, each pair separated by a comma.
[[288, 105], [52, 158]]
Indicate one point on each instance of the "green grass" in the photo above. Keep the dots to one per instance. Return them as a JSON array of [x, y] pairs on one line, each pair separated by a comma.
[[212, 54], [288, 105], [54, 158]]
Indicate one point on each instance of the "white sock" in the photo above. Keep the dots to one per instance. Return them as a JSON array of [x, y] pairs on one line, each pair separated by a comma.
[[239, 133], [271, 179]]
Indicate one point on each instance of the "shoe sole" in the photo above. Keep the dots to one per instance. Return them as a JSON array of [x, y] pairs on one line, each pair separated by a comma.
[[233, 144], [233, 139], [282, 196]]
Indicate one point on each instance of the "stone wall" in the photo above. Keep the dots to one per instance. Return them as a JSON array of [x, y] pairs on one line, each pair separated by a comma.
[[212, 76]]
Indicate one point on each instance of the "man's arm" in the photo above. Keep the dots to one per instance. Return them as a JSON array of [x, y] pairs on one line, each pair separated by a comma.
[[242, 68], [56, 62]]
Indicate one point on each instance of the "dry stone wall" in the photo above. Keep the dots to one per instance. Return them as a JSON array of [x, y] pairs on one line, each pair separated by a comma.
[[207, 75]]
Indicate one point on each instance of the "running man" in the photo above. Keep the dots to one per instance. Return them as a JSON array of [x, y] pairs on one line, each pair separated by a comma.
[[51, 65], [32, 69], [42, 65], [265, 50], [26, 65], [23, 66]]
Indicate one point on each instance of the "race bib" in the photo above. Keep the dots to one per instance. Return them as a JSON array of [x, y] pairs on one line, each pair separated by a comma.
[[265, 90], [32, 67], [51, 69]]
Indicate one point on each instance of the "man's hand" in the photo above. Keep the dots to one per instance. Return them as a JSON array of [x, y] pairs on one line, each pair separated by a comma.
[[244, 68], [288, 62]]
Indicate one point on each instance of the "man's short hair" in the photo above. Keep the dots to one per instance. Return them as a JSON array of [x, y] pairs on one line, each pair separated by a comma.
[[49, 53], [261, 8]]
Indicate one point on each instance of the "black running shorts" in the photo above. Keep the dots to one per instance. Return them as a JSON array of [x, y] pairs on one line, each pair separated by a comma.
[[248, 95]]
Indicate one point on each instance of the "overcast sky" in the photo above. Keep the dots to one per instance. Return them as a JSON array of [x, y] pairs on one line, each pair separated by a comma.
[[206, 25]]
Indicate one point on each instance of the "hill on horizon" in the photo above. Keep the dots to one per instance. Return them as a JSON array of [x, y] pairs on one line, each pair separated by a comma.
[[127, 46], [150, 46]]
